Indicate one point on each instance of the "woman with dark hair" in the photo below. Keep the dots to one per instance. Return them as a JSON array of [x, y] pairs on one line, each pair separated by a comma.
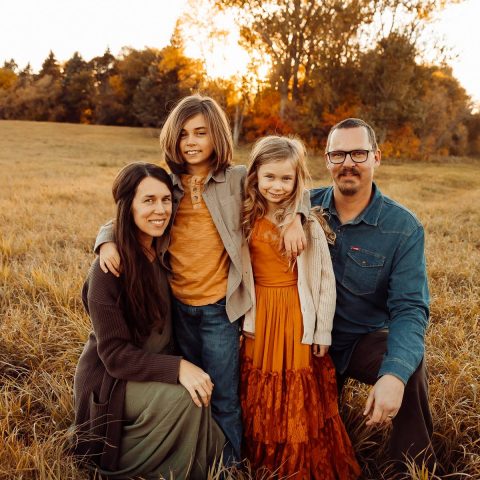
[[139, 408]]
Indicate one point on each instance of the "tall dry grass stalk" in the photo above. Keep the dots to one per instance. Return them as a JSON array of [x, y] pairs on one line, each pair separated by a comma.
[[55, 192]]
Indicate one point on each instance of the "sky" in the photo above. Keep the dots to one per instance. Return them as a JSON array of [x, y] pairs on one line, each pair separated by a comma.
[[29, 29]]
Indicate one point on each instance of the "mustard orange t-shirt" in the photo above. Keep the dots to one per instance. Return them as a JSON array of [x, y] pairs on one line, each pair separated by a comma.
[[198, 257]]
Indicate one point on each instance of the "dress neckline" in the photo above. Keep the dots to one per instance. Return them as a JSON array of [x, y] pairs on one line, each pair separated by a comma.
[[269, 221]]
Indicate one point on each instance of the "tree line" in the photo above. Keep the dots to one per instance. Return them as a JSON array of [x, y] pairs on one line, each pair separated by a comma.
[[329, 60]]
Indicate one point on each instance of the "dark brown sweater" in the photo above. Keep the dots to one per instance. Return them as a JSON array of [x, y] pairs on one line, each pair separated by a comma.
[[110, 359]]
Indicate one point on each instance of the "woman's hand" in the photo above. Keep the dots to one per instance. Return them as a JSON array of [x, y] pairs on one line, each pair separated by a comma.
[[320, 350], [109, 258], [197, 382]]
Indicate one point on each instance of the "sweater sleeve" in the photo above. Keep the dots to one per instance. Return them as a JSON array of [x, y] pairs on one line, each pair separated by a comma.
[[121, 357], [105, 234], [327, 295]]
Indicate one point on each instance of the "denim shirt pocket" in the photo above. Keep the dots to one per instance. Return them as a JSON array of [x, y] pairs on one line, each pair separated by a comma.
[[362, 270]]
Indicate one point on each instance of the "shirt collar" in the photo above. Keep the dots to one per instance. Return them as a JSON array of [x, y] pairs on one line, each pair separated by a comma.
[[218, 177], [369, 215], [176, 181]]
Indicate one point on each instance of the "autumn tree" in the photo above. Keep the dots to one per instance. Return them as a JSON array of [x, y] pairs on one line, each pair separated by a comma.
[[35, 97], [300, 36], [77, 90], [171, 77], [473, 126], [388, 83], [103, 67], [25, 76], [106, 106], [11, 65], [50, 67], [8, 78], [38, 100], [131, 67], [444, 112]]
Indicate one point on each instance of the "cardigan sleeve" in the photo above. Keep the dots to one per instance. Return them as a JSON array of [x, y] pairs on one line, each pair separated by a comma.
[[326, 288], [121, 357]]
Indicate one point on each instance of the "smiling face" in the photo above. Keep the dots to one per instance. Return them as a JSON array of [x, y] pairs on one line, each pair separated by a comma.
[[352, 178], [151, 209], [196, 145], [276, 181]]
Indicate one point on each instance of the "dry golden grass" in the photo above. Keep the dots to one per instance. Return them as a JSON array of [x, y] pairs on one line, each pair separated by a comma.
[[54, 193]]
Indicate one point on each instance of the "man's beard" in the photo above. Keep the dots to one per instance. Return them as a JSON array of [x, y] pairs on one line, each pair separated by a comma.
[[347, 189]]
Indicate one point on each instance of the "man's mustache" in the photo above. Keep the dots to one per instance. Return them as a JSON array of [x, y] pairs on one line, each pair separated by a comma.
[[348, 171]]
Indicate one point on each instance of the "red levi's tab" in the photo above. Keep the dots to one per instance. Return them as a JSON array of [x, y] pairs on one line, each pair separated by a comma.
[[355, 248]]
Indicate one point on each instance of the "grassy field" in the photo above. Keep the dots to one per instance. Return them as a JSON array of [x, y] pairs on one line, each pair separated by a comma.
[[55, 182]]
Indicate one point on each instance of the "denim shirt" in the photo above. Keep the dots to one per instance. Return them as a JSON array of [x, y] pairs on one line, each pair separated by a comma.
[[379, 264]]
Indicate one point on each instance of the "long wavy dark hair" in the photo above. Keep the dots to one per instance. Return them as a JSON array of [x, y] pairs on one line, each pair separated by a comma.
[[141, 296]]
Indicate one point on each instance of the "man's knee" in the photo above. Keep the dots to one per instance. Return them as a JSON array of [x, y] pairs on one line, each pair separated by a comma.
[[367, 357]]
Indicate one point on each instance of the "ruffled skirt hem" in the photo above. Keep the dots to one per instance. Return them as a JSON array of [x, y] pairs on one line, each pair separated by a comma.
[[292, 424]]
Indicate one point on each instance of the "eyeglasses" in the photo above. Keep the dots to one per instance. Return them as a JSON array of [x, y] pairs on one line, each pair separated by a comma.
[[339, 156]]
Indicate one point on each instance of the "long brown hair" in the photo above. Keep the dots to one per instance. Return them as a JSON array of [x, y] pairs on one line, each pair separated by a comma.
[[218, 128], [141, 295]]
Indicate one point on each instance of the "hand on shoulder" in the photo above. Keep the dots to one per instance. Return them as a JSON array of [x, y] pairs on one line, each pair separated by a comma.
[[110, 258]]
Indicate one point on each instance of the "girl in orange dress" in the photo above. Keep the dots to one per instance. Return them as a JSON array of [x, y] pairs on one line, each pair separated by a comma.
[[288, 389]]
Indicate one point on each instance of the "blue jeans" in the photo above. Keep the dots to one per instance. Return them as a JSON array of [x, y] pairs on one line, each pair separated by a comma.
[[208, 339]]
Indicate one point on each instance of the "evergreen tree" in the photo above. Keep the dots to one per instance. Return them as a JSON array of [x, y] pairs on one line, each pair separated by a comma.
[[78, 90], [50, 67]]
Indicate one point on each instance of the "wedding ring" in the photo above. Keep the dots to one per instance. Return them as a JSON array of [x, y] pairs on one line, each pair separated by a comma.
[[390, 416]]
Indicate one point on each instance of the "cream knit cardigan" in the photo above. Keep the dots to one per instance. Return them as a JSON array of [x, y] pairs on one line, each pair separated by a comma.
[[316, 287]]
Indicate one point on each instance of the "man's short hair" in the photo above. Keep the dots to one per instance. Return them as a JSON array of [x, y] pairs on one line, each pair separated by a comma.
[[354, 123]]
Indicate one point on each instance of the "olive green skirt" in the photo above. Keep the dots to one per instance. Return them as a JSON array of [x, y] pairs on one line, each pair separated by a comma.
[[167, 435]]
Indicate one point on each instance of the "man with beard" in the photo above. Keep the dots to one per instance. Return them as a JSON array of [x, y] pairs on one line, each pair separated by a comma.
[[382, 293]]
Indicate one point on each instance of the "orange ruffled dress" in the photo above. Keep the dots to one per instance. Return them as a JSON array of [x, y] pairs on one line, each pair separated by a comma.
[[289, 397]]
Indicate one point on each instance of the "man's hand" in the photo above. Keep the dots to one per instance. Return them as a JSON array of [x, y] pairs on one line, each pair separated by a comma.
[[294, 238], [109, 258], [319, 350], [384, 400], [197, 382]]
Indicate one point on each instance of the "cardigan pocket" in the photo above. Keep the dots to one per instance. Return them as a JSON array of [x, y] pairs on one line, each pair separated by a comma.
[[98, 422]]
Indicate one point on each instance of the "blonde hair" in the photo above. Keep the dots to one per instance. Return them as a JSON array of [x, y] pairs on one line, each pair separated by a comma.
[[267, 150], [218, 128], [321, 216]]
